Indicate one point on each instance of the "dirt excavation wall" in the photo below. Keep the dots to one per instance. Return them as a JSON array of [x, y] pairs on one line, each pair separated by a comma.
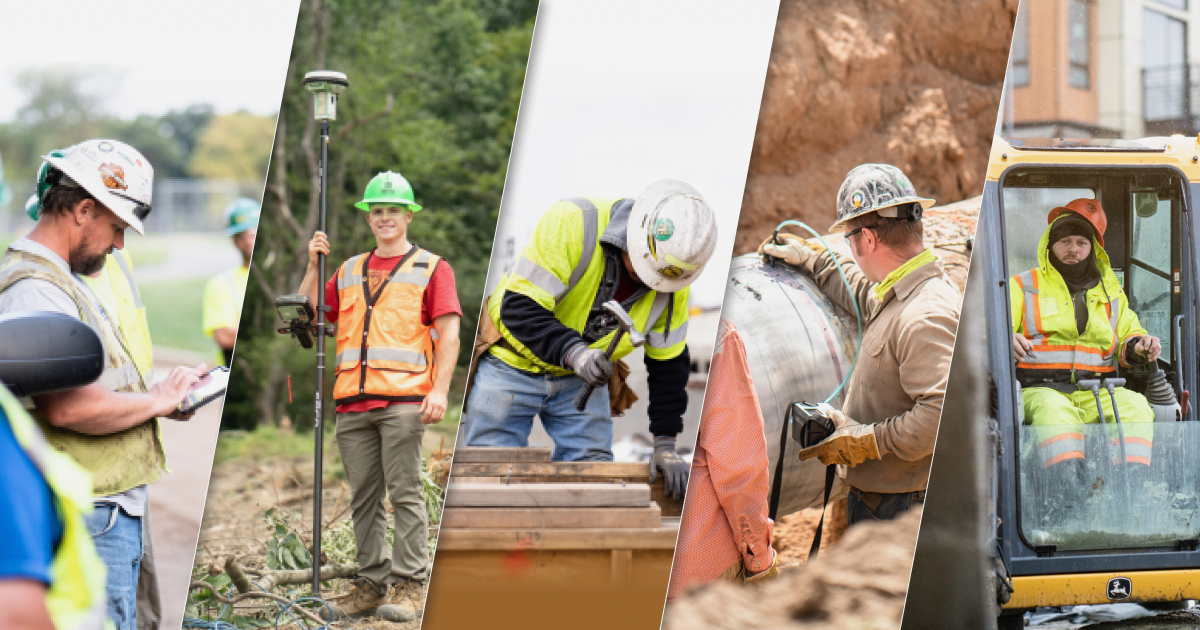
[[915, 83]]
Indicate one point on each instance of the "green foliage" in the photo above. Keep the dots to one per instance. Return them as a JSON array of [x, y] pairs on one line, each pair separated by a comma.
[[231, 146], [284, 548], [174, 314], [434, 92]]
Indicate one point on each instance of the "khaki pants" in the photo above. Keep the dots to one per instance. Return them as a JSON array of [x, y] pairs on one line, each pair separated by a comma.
[[381, 450]]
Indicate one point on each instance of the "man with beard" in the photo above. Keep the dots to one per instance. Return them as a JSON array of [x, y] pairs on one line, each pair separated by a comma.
[[224, 292], [1072, 321], [90, 194]]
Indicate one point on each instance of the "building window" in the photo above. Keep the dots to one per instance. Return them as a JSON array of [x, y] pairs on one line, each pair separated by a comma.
[[1080, 45], [1175, 4], [1165, 83], [1020, 49]]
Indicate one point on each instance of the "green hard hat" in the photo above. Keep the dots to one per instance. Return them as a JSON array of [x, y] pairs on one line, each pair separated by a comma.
[[241, 215], [388, 188]]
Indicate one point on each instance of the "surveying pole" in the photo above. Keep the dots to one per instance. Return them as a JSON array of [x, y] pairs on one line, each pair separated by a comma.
[[325, 86]]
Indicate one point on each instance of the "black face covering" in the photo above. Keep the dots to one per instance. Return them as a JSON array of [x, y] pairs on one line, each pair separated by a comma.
[[1082, 275]]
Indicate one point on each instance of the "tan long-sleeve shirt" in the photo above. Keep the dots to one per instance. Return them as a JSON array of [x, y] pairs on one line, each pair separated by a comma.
[[899, 382]]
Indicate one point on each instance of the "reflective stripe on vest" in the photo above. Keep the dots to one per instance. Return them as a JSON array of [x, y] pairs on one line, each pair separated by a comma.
[[399, 347], [569, 288], [75, 598]]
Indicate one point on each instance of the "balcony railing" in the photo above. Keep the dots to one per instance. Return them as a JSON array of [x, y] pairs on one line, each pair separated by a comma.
[[1171, 99]]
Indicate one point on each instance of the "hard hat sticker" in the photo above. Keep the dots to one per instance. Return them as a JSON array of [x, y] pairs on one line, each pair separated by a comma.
[[671, 271], [113, 176], [105, 146], [857, 199], [663, 229]]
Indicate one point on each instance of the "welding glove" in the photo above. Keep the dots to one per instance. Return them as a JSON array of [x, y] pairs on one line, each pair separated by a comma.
[[589, 364], [792, 250], [851, 444], [674, 469]]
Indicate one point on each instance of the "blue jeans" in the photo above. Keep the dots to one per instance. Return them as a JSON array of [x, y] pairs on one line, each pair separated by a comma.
[[118, 539], [504, 401], [890, 506]]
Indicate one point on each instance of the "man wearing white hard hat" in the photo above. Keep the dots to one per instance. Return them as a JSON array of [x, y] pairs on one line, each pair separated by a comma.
[[548, 330], [887, 426], [87, 197]]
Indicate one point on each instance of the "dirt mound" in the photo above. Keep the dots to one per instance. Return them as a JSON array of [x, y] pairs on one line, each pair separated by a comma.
[[793, 533], [913, 83], [860, 583]]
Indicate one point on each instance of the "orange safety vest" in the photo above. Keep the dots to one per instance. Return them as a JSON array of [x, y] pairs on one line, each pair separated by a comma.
[[384, 352]]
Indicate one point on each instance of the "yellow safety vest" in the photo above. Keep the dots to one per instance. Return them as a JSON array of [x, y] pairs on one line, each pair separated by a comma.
[[76, 598], [119, 294], [120, 461], [1043, 312], [223, 295], [561, 269]]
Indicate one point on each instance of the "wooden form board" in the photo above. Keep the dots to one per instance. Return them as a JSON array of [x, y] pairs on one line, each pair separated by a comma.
[[542, 495], [551, 518], [559, 472], [556, 539], [502, 454]]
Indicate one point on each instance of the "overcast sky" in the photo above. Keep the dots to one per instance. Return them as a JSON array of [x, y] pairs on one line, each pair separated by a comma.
[[624, 92], [231, 54]]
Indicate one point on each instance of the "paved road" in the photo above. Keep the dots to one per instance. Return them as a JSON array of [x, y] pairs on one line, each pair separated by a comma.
[[177, 502]]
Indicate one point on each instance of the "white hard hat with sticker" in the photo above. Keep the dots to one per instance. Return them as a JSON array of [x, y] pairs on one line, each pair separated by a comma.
[[671, 235], [116, 174]]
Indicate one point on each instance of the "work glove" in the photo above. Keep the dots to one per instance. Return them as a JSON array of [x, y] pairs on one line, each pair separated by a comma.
[[851, 444], [793, 250], [762, 577], [589, 364], [674, 469]]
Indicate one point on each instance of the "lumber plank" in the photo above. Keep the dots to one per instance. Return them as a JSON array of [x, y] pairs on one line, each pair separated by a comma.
[[558, 472], [565, 495], [501, 454], [551, 518], [555, 539]]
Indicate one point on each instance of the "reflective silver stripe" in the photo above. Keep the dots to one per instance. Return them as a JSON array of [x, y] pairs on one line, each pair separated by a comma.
[[540, 277], [433, 333], [666, 340], [417, 278], [1067, 357], [1136, 449], [382, 354], [1059, 447], [1031, 329], [656, 310], [137, 297], [591, 236], [349, 278]]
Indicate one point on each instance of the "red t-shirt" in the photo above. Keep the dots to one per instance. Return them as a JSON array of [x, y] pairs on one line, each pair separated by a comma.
[[440, 298]]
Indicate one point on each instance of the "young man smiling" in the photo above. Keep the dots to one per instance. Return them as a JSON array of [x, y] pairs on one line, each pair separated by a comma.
[[397, 344]]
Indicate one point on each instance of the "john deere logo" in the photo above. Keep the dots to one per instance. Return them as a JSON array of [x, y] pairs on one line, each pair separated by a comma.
[[1119, 588], [663, 229], [857, 199]]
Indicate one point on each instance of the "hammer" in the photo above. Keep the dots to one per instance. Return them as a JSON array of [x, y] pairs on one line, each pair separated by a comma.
[[624, 326]]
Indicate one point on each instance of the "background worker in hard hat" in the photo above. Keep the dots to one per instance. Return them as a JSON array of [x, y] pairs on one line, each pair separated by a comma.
[[551, 333], [224, 292], [1072, 321], [887, 426], [397, 317], [118, 293], [50, 575], [90, 195]]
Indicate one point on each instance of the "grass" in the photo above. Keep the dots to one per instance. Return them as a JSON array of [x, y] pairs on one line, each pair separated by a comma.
[[174, 312]]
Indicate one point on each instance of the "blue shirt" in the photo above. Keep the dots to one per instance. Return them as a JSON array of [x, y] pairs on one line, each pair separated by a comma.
[[30, 527]]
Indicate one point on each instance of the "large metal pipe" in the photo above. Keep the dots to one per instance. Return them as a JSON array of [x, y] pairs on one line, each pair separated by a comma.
[[799, 346]]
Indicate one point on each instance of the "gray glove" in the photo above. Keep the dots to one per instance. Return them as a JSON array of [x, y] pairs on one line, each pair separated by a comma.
[[675, 470], [589, 364]]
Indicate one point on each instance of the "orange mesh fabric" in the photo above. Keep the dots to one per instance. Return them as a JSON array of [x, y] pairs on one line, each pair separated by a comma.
[[725, 518]]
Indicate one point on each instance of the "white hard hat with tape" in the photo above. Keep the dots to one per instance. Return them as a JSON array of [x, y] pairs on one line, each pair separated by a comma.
[[671, 235], [116, 174]]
